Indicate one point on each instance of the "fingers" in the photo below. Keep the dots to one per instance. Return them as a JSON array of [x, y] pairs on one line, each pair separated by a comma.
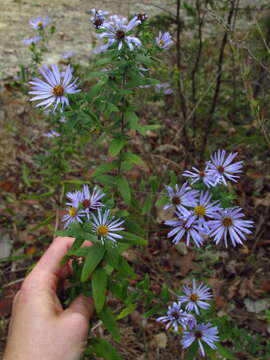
[[83, 305], [51, 259], [48, 271]]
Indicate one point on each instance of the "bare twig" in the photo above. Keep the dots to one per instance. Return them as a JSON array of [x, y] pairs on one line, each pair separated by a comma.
[[210, 121]]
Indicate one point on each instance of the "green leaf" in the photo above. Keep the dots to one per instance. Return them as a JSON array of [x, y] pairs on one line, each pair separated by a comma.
[[38, 196], [99, 284], [109, 321], [153, 311], [42, 223], [133, 158], [224, 352], [82, 251], [120, 264], [132, 120], [192, 351], [105, 167], [133, 239], [116, 146], [103, 349], [164, 294], [148, 203], [142, 129], [95, 75], [75, 182], [144, 60], [94, 90], [126, 311], [124, 189], [25, 175], [125, 269], [103, 61], [145, 283], [109, 108], [106, 180], [93, 258]]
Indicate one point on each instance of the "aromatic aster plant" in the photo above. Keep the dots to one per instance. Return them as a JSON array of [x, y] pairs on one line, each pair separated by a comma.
[[126, 57]]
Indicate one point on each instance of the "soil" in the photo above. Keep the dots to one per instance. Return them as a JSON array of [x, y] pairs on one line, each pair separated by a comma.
[[70, 19]]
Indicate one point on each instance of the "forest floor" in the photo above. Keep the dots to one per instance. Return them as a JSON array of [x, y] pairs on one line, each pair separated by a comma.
[[239, 277]]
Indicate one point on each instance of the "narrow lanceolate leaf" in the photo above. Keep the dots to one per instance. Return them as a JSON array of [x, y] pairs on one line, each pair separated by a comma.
[[105, 167], [116, 146], [93, 258], [126, 311], [132, 239], [109, 321], [99, 285], [148, 203], [124, 189], [132, 120], [103, 349], [133, 158]]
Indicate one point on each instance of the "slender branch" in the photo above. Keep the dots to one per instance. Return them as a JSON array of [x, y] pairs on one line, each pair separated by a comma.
[[198, 57], [210, 122], [122, 124], [178, 59]]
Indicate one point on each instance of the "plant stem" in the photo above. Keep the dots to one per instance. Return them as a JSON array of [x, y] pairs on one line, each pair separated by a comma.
[[212, 110], [122, 122]]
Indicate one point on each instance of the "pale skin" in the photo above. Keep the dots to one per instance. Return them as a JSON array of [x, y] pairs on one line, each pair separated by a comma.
[[39, 327]]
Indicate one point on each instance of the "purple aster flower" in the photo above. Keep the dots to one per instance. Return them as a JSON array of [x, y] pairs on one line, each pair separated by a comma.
[[98, 17], [74, 214], [164, 88], [107, 227], [196, 297], [205, 208], [222, 168], [91, 201], [39, 22], [54, 89], [69, 54], [164, 40], [62, 119], [229, 221], [117, 32], [204, 175], [52, 134], [202, 333], [75, 198], [181, 197], [32, 40], [188, 226], [176, 317]]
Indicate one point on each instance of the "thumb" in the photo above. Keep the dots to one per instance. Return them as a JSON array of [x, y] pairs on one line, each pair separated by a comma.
[[83, 305]]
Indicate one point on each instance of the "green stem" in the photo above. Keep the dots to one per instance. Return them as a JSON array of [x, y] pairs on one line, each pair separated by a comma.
[[122, 122]]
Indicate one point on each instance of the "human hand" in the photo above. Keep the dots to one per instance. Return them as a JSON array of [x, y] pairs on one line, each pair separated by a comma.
[[40, 329]]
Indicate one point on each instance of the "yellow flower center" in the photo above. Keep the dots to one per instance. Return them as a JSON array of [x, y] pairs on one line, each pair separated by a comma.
[[194, 297], [199, 210], [58, 90], [72, 211], [161, 42], [102, 230], [227, 222], [40, 24]]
